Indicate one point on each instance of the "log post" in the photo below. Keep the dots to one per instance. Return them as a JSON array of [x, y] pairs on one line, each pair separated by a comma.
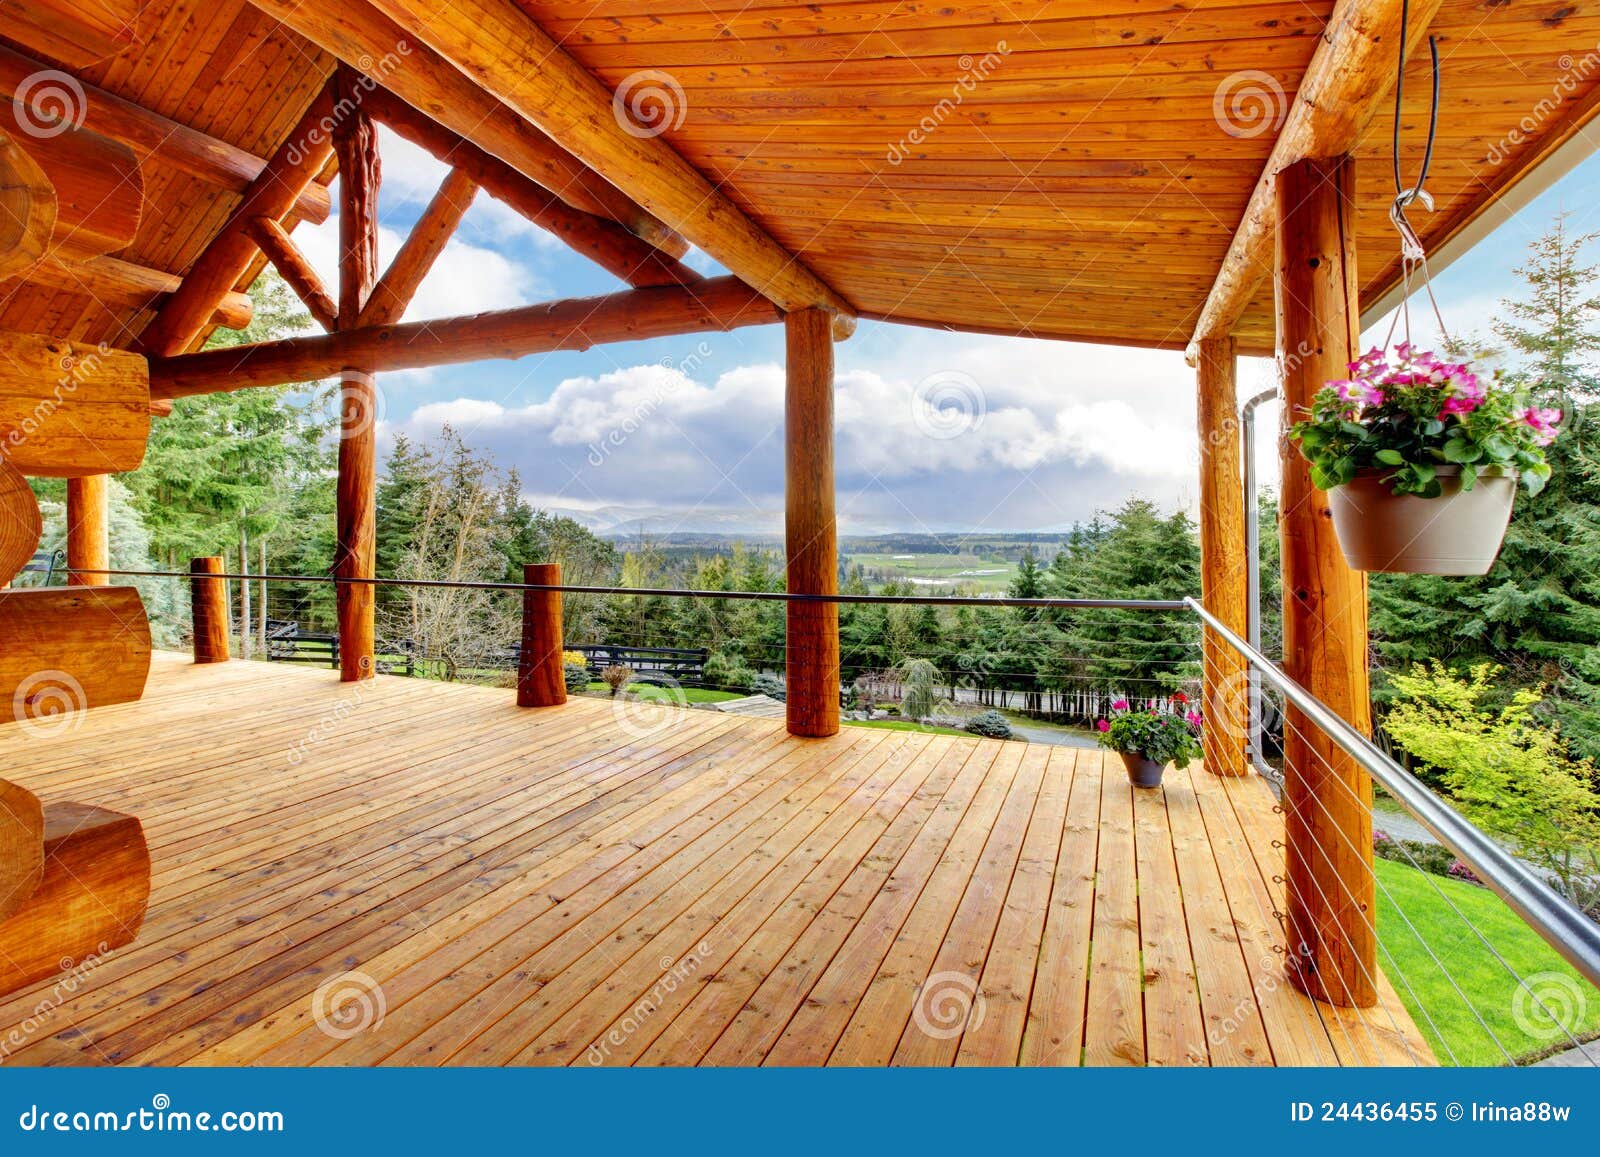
[[1327, 796], [355, 141], [1223, 573], [809, 528], [88, 530], [208, 603], [541, 678]]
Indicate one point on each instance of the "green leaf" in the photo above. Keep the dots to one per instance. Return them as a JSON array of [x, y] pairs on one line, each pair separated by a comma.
[[1460, 450], [1390, 457], [1469, 477]]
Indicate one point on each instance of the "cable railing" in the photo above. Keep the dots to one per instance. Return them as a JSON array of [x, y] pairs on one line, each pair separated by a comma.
[[1485, 980]]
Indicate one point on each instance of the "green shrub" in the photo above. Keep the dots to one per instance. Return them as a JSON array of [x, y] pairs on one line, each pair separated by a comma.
[[576, 676], [989, 723], [766, 683]]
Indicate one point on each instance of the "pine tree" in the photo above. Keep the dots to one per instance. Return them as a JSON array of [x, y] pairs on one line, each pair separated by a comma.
[[1555, 325]]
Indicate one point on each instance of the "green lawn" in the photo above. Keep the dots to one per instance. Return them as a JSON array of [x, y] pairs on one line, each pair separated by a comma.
[[903, 725], [1517, 1021], [671, 695]]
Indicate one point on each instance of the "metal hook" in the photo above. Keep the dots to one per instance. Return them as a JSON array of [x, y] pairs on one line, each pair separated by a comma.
[[1410, 244]]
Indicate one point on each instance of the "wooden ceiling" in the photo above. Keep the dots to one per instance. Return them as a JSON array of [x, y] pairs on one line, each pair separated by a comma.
[[1053, 168], [219, 66]]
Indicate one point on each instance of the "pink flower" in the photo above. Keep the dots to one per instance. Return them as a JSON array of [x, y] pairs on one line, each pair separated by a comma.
[[1102, 725], [1192, 718], [1359, 392], [1543, 422], [1119, 705]]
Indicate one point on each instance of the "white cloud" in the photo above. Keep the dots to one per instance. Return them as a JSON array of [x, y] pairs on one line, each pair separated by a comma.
[[1030, 453]]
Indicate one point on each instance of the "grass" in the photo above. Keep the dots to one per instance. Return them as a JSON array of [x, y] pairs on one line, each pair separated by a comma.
[[942, 569], [1439, 947], [655, 691], [903, 725]]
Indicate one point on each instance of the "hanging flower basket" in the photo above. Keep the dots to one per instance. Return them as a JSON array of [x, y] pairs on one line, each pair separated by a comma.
[[1421, 459]]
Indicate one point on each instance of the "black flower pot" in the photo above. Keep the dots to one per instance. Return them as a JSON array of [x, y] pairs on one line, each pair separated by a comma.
[[1142, 772]]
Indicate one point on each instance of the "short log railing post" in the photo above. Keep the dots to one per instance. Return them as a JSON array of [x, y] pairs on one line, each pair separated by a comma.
[[541, 679], [208, 601], [1327, 796]]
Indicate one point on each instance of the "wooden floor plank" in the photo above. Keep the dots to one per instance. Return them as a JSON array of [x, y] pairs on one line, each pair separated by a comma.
[[553, 887], [1174, 1034], [1114, 1029], [1006, 987]]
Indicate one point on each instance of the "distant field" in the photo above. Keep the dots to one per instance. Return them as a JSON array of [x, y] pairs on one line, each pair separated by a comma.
[[938, 570]]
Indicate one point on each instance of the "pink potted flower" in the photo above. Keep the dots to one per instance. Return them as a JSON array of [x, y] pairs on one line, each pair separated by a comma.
[[1149, 740]]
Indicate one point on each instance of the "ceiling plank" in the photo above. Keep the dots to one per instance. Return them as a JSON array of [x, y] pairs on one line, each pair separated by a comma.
[[272, 194]]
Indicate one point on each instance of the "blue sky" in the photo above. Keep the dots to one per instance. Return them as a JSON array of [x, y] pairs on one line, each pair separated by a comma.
[[935, 432]]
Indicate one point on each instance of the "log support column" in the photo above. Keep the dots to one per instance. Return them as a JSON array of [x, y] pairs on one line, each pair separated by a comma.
[[208, 604], [355, 142], [89, 529], [1327, 796], [810, 531], [541, 678], [1224, 578]]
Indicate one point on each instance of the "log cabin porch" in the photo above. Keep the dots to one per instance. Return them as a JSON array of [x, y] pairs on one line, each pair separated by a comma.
[[409, 872]]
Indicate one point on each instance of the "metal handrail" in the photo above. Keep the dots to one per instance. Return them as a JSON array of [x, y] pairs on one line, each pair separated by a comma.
[[1557, 920], [671, 592]]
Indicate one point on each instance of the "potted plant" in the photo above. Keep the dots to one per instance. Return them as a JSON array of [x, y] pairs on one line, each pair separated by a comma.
[[1420, 458], [1149, 740]]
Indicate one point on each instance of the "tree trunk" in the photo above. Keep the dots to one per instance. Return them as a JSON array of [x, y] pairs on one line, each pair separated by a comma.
[[244, 594]]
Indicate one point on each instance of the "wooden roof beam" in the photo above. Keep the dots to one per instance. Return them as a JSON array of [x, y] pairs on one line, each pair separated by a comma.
[[600, 239], [427, 239], [369, 41], [501, 48], [149, 134], [1349, 78], [274, 240], [228, 258], [717, 303]]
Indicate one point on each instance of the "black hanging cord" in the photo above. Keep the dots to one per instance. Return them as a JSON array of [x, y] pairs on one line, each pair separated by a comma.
[[1433, 112]]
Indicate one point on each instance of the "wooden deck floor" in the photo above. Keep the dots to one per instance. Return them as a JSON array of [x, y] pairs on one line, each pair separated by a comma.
[[406, 872]]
